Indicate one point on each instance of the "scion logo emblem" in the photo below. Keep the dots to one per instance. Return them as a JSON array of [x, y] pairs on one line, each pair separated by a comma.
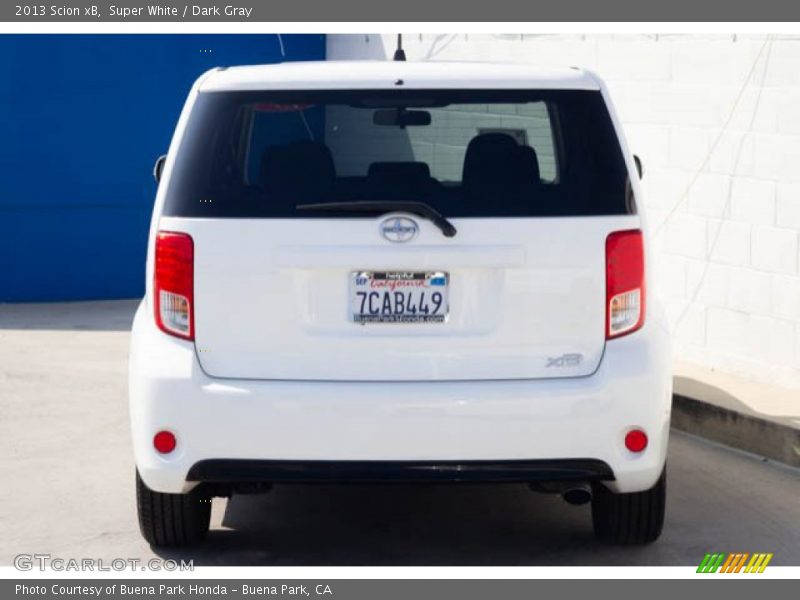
[[399, 229]]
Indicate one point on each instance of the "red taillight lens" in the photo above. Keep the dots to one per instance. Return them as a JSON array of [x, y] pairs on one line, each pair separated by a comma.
[[174, 284], [625, 285]]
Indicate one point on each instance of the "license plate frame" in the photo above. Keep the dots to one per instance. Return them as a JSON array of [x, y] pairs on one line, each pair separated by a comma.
[[413, 291]]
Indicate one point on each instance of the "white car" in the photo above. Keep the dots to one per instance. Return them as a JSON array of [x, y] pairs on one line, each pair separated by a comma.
[[398, 271]]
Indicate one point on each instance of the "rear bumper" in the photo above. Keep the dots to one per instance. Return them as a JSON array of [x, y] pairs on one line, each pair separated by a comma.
[[510, 471], [338, 430]]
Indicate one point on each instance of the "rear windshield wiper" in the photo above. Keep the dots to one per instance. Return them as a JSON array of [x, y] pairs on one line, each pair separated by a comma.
[[386, 206]]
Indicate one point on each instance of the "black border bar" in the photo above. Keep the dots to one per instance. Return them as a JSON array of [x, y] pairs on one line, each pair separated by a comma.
[[440, 11]]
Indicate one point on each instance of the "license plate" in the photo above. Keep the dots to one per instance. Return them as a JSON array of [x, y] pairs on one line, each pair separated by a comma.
[[399, 296]]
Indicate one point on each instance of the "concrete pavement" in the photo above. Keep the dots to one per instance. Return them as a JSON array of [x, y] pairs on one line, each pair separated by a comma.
[[750, 415]]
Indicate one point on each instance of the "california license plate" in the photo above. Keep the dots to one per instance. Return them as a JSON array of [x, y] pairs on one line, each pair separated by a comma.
[[399, 296]]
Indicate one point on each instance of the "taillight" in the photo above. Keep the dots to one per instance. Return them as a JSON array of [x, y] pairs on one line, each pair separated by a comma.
[[174, 284], [625, 285]]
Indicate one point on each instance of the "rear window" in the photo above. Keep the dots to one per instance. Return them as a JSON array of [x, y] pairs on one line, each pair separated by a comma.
[[476, 153]]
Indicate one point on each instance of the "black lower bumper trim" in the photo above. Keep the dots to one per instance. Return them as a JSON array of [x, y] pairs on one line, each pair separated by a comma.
[[503, 471]]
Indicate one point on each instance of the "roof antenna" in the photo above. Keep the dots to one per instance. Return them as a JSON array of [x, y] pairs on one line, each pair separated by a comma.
[[280, 43], [399, 54]]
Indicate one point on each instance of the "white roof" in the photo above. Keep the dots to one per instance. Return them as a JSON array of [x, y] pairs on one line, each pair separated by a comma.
[[331, 75]]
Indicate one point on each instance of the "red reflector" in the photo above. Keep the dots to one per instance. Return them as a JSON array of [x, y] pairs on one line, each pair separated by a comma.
[[174, 284], [636, 440], [625, 283], [164, 442]]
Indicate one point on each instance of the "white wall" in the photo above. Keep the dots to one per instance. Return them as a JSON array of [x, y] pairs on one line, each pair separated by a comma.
[[716, 121]]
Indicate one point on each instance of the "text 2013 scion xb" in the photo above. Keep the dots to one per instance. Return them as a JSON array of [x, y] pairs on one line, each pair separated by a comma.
[[399, 272]]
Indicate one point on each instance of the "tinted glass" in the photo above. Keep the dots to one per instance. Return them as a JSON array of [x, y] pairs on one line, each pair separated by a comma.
[[475, 153]]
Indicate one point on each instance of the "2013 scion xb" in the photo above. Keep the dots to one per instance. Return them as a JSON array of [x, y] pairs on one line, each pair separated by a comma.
[[398, 271]]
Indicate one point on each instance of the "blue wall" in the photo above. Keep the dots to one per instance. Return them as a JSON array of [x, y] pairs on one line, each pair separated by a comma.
[[82, 119]]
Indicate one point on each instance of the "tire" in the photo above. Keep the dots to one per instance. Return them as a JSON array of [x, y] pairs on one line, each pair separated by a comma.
[[629, 519], [172, 519]]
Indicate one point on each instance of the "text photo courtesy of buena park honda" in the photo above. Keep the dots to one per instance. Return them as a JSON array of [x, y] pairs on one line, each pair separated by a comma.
[[400, 299]]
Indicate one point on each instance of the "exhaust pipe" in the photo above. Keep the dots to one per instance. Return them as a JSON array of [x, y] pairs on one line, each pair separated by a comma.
[[577, 495]]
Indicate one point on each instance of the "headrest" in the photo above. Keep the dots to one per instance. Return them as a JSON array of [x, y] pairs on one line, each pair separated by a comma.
[[495, 164], [489, 155], [529, 164]]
